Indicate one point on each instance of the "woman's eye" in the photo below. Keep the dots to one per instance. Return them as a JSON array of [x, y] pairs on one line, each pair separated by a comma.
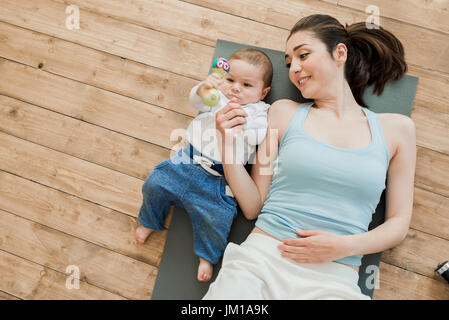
[[302, 56], [247, 85], [230, 80]]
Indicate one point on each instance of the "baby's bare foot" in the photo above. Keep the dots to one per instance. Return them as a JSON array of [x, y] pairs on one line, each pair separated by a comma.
[[142, 234], [205, 270]]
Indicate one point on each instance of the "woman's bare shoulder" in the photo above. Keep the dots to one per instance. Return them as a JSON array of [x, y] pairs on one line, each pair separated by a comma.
[[280, 114], [281, 109], [398, 129], [397, 122], [285, 103]]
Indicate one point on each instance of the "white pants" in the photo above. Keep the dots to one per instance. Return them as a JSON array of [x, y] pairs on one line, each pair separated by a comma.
[[256, 270]]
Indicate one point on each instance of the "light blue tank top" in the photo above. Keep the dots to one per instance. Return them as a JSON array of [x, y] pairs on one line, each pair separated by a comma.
[[317, 186]]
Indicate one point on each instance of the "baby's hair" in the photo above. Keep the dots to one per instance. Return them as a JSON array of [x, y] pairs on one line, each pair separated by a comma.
[[256, 58]]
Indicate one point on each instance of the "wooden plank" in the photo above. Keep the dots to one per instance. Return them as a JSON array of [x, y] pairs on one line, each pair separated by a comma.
[[186, 21], [77, 217], [119, 38], [420, 253], [425, 14], [56, 250], [7, 296], [97, 68], [431, 171], [29, 280], [430, 213], [90, 104], [433, 89], [80, 139], [69, 174], [399, 284], [432, 128], [286, 13]]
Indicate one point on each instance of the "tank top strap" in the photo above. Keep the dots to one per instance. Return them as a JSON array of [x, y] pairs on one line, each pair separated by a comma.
[[295, 124], [373, 127], [302, 113], [376, 132]]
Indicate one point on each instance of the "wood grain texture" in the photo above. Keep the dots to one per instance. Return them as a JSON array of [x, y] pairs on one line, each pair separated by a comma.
[[106, 34], [92, 143], [400, 284], [7, 296], [96, 68], [32, 281], [425, 14], [90, 104], [187, 21], [71, 175], [77, 217], [56, 250]]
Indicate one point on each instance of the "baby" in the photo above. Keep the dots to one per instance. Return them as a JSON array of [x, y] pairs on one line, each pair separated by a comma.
[[193, 178]]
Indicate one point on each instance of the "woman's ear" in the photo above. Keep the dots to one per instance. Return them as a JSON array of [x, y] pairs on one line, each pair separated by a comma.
[[341, 54]]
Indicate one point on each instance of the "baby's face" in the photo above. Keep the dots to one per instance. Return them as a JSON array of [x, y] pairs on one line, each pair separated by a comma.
[[244, 82]]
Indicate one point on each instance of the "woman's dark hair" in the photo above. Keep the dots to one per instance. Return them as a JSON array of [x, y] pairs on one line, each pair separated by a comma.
[[375, 56]]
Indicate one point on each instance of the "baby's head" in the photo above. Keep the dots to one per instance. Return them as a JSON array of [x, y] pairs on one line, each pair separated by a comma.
[[249, 78]]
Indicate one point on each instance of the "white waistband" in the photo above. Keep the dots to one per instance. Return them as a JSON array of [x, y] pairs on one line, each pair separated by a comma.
[[269, 245]]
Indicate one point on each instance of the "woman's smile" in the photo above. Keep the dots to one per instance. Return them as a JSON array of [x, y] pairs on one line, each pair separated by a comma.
[[302, 81]]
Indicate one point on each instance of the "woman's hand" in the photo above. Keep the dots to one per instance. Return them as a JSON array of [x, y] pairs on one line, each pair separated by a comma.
[[230, 119], [315, 246]]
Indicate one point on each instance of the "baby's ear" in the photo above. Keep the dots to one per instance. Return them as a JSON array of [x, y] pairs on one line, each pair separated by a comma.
[[265, 92]]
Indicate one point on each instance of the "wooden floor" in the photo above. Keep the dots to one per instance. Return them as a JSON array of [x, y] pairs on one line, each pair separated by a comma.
[[86, 114]]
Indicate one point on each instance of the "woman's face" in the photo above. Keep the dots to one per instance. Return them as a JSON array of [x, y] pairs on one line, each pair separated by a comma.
[[311, 68]]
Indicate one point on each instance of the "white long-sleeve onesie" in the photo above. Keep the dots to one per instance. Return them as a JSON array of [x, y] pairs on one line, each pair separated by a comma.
[[201, 132]]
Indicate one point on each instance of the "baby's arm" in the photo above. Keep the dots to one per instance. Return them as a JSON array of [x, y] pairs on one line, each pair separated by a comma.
[[196, 101], [212, 81]]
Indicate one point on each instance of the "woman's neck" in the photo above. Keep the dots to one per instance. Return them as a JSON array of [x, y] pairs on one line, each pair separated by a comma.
[[340, 103]]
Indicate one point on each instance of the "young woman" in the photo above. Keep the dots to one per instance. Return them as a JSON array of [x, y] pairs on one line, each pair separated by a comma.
[[321, 170]]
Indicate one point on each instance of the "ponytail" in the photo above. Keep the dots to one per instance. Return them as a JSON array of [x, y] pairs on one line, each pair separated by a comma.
[[375, 56]]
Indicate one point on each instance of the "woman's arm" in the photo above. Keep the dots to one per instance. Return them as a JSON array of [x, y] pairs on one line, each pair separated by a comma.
[[249, 191], [399, 196], [319, 246]]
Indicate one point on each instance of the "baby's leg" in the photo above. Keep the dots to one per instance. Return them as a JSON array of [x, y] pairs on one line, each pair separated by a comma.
[[159, 193], [211, 225], [205, 269]]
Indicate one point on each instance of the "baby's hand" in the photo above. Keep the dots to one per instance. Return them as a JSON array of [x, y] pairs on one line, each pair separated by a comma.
[[212, 81]]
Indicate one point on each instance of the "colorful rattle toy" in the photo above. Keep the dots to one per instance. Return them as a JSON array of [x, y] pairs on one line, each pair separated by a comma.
[[221, 67]]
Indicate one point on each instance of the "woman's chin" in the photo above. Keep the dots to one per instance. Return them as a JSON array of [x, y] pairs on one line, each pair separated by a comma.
[[307, 94], [304, 93]]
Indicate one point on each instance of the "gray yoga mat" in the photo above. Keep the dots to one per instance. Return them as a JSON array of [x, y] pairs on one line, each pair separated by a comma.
[[177, 273]]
